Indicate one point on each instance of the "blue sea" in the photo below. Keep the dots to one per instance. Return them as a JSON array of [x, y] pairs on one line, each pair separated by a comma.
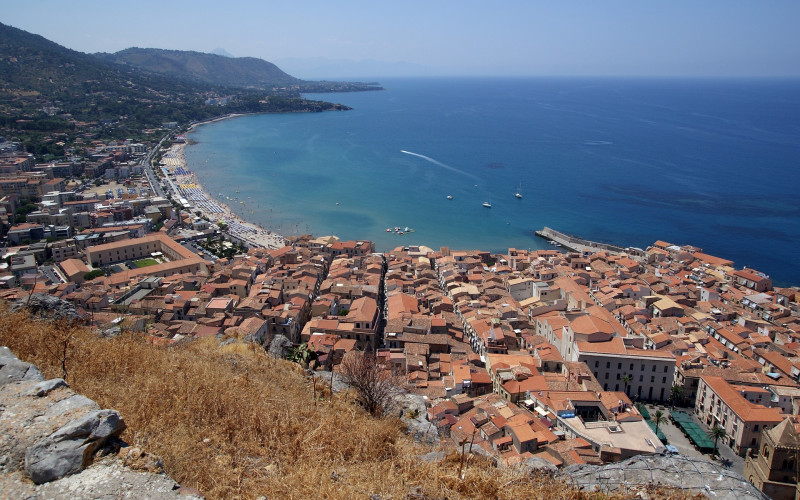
[[711, 163]]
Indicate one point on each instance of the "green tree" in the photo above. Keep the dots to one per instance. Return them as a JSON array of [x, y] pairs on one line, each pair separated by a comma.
[[716, 433], [658, 419], [93, 274], [626, 379], [676, 394]]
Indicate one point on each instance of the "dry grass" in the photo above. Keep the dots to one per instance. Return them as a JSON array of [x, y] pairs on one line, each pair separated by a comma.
[[234, 423]]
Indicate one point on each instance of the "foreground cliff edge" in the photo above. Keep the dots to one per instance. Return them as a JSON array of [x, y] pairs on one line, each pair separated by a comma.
[[55, 443]]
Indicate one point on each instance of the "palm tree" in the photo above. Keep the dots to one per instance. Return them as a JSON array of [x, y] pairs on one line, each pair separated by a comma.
[[676, 394], [716, 433], [658, 419], [626, 379]]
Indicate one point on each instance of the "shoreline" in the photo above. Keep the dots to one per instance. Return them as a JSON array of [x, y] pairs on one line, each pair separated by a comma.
[[214, 120], [212, 208]]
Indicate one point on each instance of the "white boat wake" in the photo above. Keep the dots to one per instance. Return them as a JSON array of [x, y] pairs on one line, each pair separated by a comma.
[[435, 162]]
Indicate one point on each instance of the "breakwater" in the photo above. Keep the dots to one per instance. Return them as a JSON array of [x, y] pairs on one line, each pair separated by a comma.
[[583, 246]]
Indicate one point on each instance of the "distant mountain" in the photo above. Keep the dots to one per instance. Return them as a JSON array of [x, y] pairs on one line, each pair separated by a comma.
[[221, 52], [44, 87], [34, 68], [241, 72]]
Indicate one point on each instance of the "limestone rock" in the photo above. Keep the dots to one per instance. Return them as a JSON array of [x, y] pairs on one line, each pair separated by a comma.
[[634, 475], [70, 448], [44, 388], [538, 464], [47, 430], [47, 306], [13, 370], [112, 332], [27, 418], [106, 478], [413, 412], [279, 347]]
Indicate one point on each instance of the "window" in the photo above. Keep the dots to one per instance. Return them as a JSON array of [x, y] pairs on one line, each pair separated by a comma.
[[619, 366], [631, 366], [652, 380], [642, 367], [654, 368], [596, 364], [608, 364], [617, 376], [664, 380], [606, 376], [641, 378], [755, 428], [666, 368]]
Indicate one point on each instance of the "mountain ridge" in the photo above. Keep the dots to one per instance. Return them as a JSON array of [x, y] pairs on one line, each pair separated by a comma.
[[202, 67]]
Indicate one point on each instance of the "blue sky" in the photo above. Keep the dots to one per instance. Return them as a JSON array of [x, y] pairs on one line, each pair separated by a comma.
[[410, 37]]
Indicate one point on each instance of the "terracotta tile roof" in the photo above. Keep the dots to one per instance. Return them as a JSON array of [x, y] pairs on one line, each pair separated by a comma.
[[744, 409]]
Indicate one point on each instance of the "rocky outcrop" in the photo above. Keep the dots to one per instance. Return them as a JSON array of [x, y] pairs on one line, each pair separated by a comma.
[[71, 448], [55, 443], [12, 369], [47, 306], [634, 476], [279, 347], [412, 410]]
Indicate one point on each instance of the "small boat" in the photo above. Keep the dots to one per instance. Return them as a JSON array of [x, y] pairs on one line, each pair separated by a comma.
[[487, 204], [518, 194], [337, 202], [449, 196], [388, 230]]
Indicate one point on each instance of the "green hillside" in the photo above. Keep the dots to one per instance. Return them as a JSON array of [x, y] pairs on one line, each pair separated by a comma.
[[209, 69]]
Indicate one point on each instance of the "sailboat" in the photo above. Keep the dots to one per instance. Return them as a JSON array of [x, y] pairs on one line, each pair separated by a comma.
[[518, 194]]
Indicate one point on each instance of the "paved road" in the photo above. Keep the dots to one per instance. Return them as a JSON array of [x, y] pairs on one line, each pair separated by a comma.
[[148, 170], [676, 438]]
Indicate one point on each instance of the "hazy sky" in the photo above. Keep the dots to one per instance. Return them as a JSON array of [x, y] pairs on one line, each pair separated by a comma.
[[465, 37]]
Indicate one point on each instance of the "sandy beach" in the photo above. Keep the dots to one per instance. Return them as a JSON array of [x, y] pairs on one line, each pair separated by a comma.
[[215, 210]]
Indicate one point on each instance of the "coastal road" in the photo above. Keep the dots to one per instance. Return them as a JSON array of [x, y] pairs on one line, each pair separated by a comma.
[[148, 169]]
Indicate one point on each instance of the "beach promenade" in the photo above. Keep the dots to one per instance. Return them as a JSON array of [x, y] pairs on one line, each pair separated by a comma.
[[185, 186]]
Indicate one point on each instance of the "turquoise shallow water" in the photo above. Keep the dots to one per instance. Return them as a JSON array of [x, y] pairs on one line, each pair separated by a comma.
[[708, 163]]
